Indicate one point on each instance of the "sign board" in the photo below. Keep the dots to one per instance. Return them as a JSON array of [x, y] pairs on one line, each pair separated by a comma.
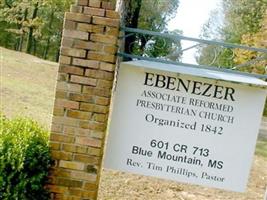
[[189, 125]]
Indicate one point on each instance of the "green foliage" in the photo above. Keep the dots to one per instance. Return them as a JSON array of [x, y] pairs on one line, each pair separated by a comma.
[[33, 26], [261, 148], [24, 160], [154, 16], [236, 19]]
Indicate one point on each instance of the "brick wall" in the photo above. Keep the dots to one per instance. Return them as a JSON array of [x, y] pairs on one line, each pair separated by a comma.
[[83, 91]]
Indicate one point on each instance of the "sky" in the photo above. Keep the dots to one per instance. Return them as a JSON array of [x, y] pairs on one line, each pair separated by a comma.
[[190, 17]]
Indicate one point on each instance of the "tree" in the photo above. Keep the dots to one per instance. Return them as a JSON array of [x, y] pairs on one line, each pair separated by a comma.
[[26, 23], [150, 16], [240, 18]]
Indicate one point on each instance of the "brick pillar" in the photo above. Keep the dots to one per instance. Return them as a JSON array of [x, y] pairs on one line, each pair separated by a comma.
[[83, 91]]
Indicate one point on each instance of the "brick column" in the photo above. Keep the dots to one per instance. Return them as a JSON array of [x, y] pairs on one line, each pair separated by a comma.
[[83, 91]]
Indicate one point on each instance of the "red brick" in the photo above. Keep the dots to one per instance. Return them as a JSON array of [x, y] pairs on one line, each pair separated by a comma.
[[94, 11], [81, 97], [95, 3], [86, 159], [101, 57], [102, 101], [68, 130], [57, 189], [93, 108], [86, 63], [73, 52], [96, 126], [67, 42], [75, 34], [56, 128], [61, 86], [110, 49], [62, 77], [74, 148], [61, 94], [88, 141], [90, 186], [58, 111], [83, 80], [112, 14], [94, 151], [99, 74], [70, 25], [100, 117], [71, 165], [60, 155], [64, 60], [82, 2], [98, 134], [84, 27], [61, 138], [54, 146], [78, 17], [104, 84], [71, 69], [108, 39], [96, 91], [76, 9], [67, 104], [107, 67], [98, 29], [79, 44], [66, 121], [74, 88], [108, 5], [112, 31], [79, 114], [84, 176], [106, 21], [69, 183]]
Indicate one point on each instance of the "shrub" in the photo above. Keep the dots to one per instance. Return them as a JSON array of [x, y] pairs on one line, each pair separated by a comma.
[[24, 160]]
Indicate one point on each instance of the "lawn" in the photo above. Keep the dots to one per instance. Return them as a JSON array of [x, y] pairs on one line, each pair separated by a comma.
[[27, 89], [27, 86]]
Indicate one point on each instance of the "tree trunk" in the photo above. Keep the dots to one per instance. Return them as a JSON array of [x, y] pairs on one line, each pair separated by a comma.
[[22, 34], [34, 46], [58, 51], [30, 34], [129, 11], [48, 39]]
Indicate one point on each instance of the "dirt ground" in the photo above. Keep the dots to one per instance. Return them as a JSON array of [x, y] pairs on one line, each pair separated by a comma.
[[27, 89]]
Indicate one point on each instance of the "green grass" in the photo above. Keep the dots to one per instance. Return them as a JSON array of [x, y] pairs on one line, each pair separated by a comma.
[[261, 149], [27, 86]]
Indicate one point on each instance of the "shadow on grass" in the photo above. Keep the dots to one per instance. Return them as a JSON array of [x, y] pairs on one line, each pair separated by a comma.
[[261, 148]]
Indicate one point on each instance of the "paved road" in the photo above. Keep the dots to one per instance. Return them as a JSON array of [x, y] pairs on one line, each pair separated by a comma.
[[263, 128]]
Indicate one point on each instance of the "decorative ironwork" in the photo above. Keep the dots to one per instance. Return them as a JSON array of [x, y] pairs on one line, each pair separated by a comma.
[[167, 48]]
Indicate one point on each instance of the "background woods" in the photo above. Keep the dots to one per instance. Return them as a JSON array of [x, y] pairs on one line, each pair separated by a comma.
[[154, 16], [33, 26], [239, 22]]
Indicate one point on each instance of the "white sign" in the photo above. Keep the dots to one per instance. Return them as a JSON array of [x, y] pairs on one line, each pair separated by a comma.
[[183, 127]]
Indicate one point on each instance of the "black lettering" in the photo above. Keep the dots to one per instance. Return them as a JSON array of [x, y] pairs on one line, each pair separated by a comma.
[[229, 92], [218, 91], [206, 90], [170, 82], [149, 79], [186, 88], [196, 86], [160, 79], [215, 164]]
